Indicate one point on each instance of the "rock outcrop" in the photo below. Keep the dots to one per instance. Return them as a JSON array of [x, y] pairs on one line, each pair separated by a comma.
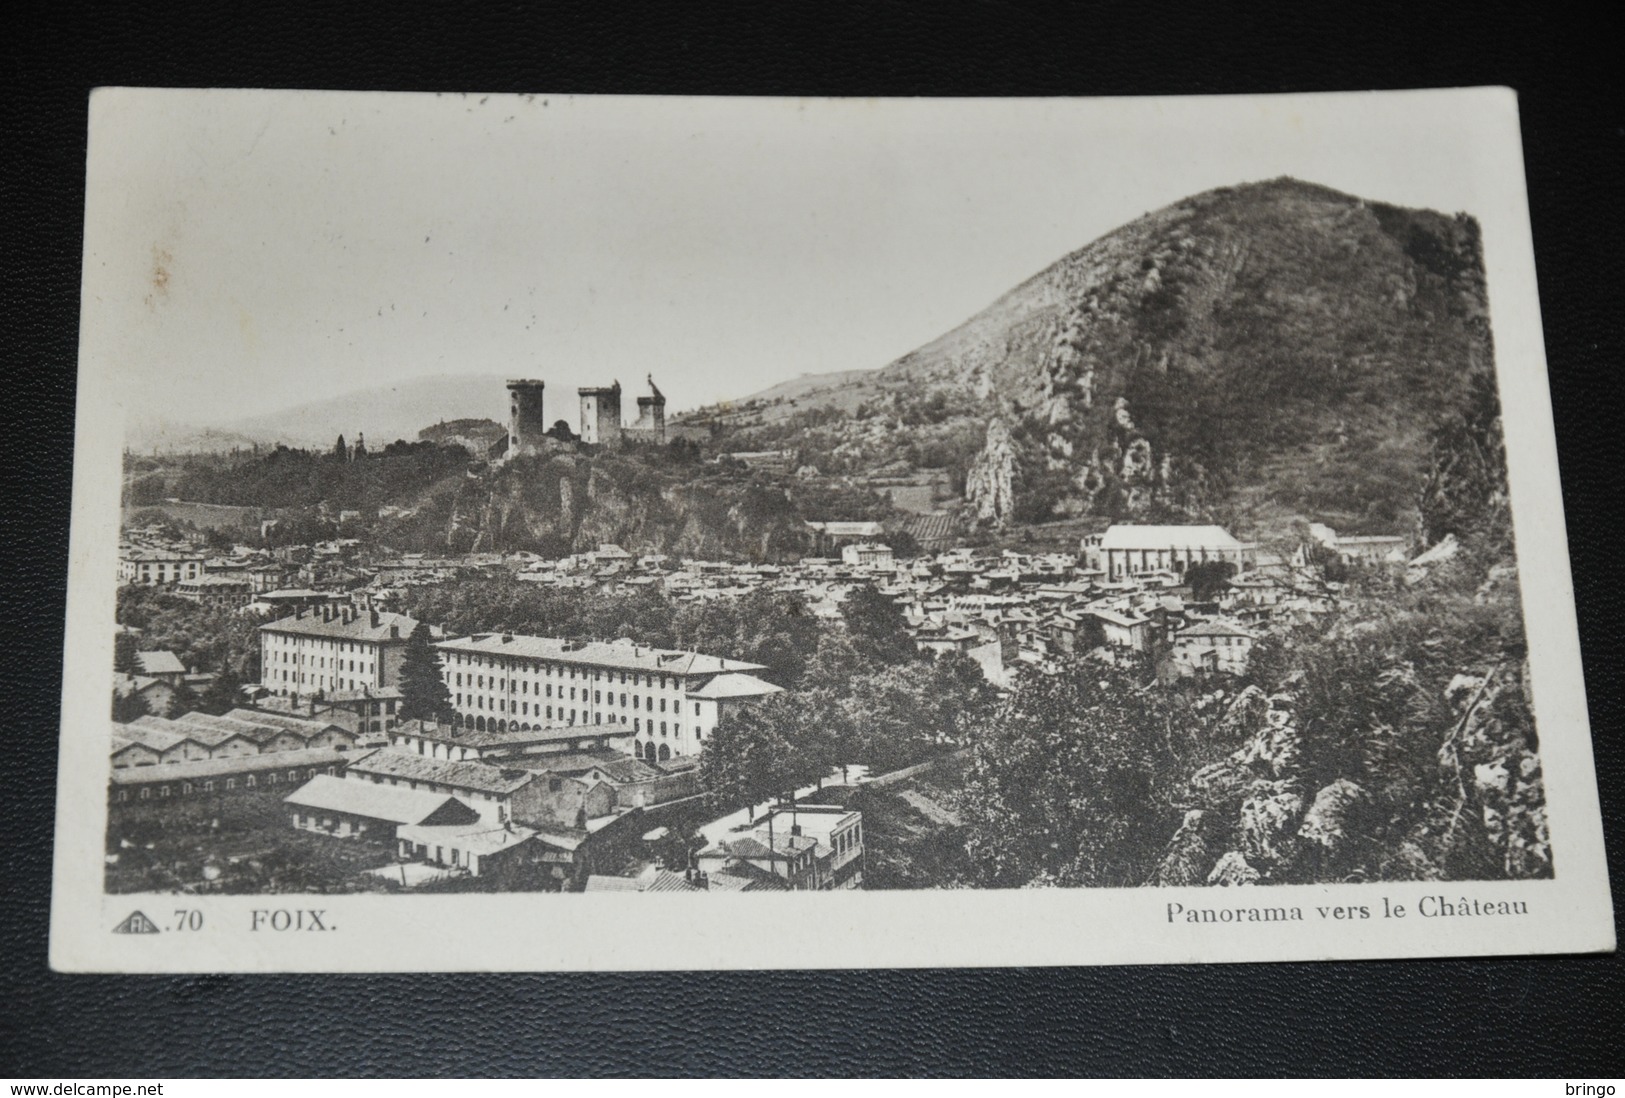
[[990, 484]]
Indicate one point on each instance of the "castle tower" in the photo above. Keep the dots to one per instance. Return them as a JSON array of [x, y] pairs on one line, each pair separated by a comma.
[[526, 421], [652, 413], [601, 415]]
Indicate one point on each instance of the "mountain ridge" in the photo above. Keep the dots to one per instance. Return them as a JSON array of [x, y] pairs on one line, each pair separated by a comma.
[[1262, 350]]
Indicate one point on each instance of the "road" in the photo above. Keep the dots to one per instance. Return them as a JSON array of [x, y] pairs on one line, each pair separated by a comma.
[[744, 821]]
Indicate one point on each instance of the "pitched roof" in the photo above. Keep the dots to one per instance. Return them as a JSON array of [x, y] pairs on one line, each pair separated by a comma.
[[734, 684], [216, 580], [1123, 536], [848, 529], [153, 732], [378, 802], [299, 725], [198, 769], [626, 770], [161, 662], [460, 774], [357, 628], [756, 846], [472, 838], [1214, 629], [620, 655]]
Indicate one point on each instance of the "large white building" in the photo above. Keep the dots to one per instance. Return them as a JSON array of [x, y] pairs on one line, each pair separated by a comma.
[[158, 568], [673, 701], [1124, 550], [333, 649]]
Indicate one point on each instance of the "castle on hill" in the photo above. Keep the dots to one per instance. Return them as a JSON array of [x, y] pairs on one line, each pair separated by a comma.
[[600, 410]]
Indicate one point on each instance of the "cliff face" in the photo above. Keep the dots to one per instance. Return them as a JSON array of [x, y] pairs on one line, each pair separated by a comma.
[[1277, 342], [567, 503], [990, 484]]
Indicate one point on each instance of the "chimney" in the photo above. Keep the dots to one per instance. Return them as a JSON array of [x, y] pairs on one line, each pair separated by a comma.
[[394, 632], [375, 619]]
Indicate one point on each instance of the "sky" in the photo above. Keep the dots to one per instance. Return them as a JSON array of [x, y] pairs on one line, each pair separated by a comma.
[[251, 251]]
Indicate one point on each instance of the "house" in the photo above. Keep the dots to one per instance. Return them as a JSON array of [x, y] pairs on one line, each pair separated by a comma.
[[838, 833], [499, 794], [791, 858], [162, 665], [364, 712], [476, 848], [873, 556], [1211, 647], [159, 568], [337, 806], [154, 693], [1124, 631], [1373, 549], [221, 592]]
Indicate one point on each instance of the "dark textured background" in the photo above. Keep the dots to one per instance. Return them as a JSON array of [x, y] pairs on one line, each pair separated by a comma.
[[1546, 1016]]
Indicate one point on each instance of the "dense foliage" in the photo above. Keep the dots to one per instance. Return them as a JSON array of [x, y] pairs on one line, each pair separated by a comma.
[[284, 477], [1393, 740], [204, 638]]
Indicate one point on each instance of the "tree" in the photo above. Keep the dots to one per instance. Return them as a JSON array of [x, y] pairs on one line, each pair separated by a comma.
[[749, 758], [182, 700], [876, 626], [424, 695], [129, 707], [1076, 780], [561, 431], [124, 658], [341, 452], [1208, 578], [224, 693]]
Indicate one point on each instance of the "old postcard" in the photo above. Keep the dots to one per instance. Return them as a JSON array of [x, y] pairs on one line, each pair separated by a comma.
[[605, 533]]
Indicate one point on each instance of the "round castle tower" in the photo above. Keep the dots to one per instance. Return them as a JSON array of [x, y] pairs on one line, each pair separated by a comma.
[[527, 423]]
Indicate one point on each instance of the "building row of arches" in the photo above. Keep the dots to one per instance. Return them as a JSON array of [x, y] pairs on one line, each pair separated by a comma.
[[648, 751]]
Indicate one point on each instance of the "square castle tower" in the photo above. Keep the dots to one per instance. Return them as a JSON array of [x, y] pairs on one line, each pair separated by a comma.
[[601, 416]]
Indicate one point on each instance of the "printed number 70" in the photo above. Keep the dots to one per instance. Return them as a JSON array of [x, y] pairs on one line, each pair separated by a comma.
[[188, 920]]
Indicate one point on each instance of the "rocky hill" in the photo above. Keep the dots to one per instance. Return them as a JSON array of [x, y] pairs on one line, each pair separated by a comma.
[[565, 502], [1254, 353]]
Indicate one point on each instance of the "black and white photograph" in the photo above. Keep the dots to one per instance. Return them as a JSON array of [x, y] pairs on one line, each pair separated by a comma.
[[928, 516]]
